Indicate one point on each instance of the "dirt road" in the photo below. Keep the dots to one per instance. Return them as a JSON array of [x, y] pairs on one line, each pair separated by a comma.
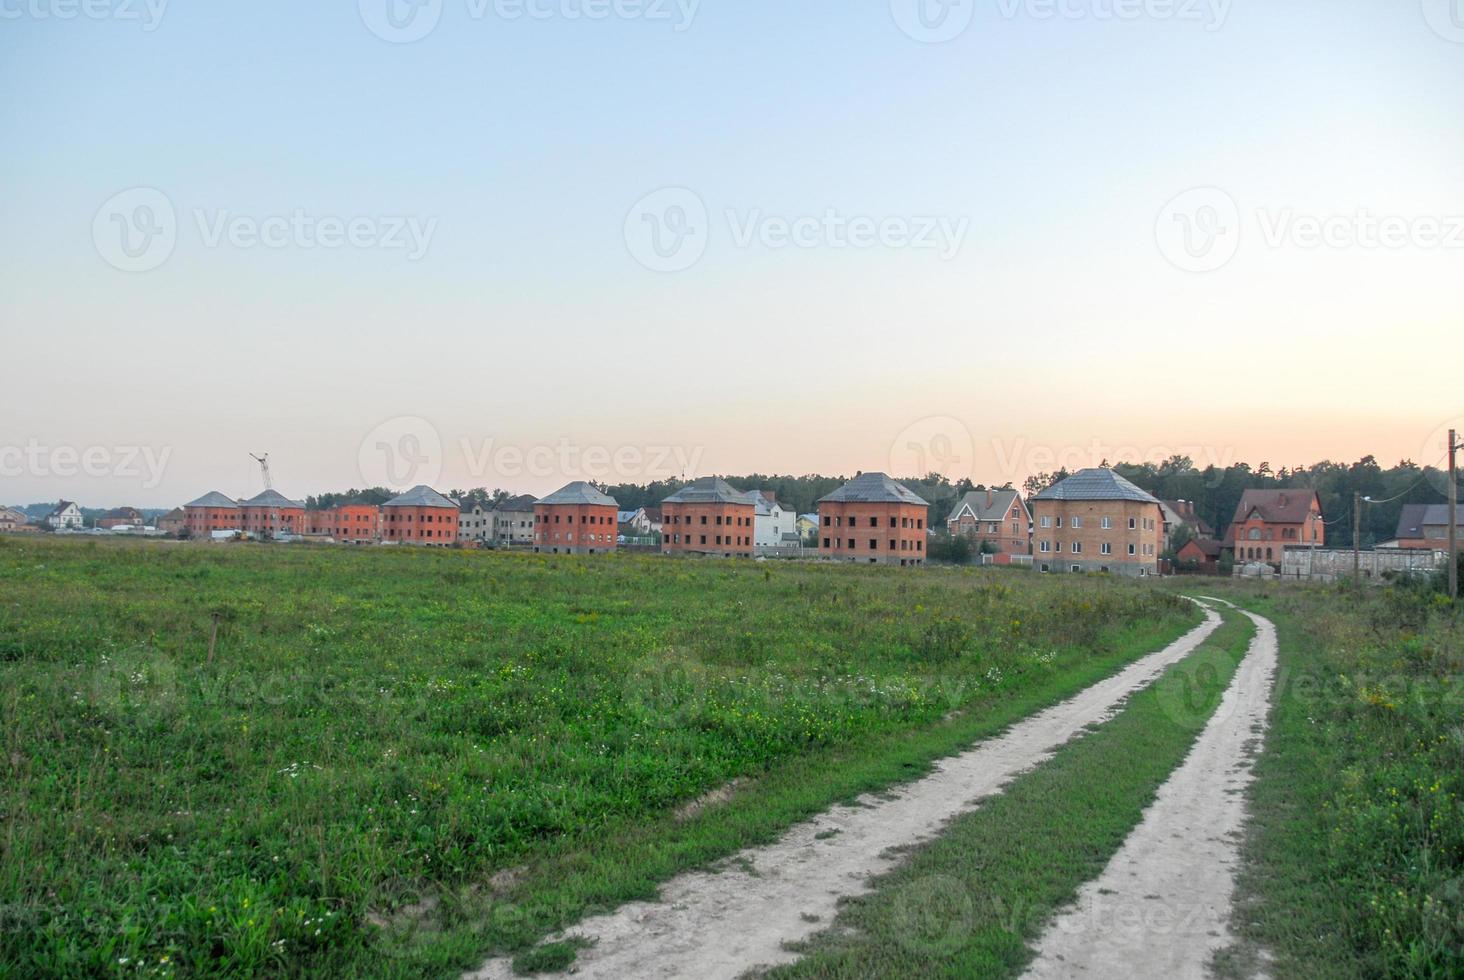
[[720, 925], [1162, 906]]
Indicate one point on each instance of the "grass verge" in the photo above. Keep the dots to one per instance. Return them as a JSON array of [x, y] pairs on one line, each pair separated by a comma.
[[968, 903], [1354, 865]]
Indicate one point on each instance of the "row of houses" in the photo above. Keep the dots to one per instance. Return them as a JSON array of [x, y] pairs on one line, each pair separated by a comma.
[[1092, 521], [1096, 519]]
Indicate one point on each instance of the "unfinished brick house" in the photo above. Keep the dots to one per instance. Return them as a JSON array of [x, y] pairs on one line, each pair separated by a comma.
[[271, 514], [575, 520], [348, 523], [209, 513], [708, 517], [422, 517], [1096, 521], [873, 519]]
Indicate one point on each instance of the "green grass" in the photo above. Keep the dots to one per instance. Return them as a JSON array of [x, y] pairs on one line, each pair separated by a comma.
[[968, 904], [400, 760], [1355, 861]]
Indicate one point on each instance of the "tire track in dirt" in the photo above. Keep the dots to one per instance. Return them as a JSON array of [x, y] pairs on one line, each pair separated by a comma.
[[1161, 908], [712, 925]]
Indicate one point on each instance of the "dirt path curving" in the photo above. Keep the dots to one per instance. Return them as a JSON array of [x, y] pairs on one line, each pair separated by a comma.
[[714, 925], [1162, 906]]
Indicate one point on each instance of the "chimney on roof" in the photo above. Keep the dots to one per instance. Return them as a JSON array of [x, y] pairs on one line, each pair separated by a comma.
[[1283, 500], [989, 497]]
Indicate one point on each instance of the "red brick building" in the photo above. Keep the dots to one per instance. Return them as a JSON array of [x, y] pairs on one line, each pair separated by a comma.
[[421, 516], [708, 517], [271, 514], [1096, 521], [173, 522], [348, 523], [999, 517], [873, 519], [211, 512], [121, 517], [576, 520], [1267, 522]]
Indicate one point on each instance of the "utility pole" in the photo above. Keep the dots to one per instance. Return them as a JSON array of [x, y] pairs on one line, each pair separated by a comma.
[[1357, 537], [1453, 515]]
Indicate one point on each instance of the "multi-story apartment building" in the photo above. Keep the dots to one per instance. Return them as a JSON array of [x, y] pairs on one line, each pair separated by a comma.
[[999, 517], [1096, 521], [873, 519], [212, 512], [708, 517], [421, 516], [575, 520]]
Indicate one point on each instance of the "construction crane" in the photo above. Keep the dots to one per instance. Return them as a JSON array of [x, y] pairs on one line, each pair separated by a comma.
[[274, 512]]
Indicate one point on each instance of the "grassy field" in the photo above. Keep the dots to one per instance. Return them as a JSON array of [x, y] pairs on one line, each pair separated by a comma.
[[397, 761], [1355, 864]]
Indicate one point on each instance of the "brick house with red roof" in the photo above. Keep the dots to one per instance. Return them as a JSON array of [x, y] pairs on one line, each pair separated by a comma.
[[1267, 522]]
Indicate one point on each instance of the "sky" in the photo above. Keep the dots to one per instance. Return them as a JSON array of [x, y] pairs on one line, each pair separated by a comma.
[[514, 243]]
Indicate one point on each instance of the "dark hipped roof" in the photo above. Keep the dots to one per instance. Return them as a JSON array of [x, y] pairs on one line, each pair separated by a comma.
[[212, 499], [523, 502], [579, 493], [271, 498], [709, 490], [874, 488], [1415, 517], [1096, 483], [1288, 506], [421, 496]]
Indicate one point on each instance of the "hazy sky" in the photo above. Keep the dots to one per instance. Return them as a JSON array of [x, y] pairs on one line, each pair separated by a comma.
[[518, 242]]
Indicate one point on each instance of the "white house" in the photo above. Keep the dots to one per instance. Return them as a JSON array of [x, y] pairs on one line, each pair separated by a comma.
[[773, 525], [66, 515], [475, 524], [636, 521]]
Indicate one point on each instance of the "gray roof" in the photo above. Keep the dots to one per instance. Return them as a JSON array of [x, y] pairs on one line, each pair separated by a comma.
[[579, 493], [1415, 517], [874, 488], [270, 498], [421, 496], [212, 499], [1097, 483], [709, 490], [1001, 502], [520, 504]]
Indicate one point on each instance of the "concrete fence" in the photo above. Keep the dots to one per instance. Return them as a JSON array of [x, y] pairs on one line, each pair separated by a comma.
[[1329, 565]]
